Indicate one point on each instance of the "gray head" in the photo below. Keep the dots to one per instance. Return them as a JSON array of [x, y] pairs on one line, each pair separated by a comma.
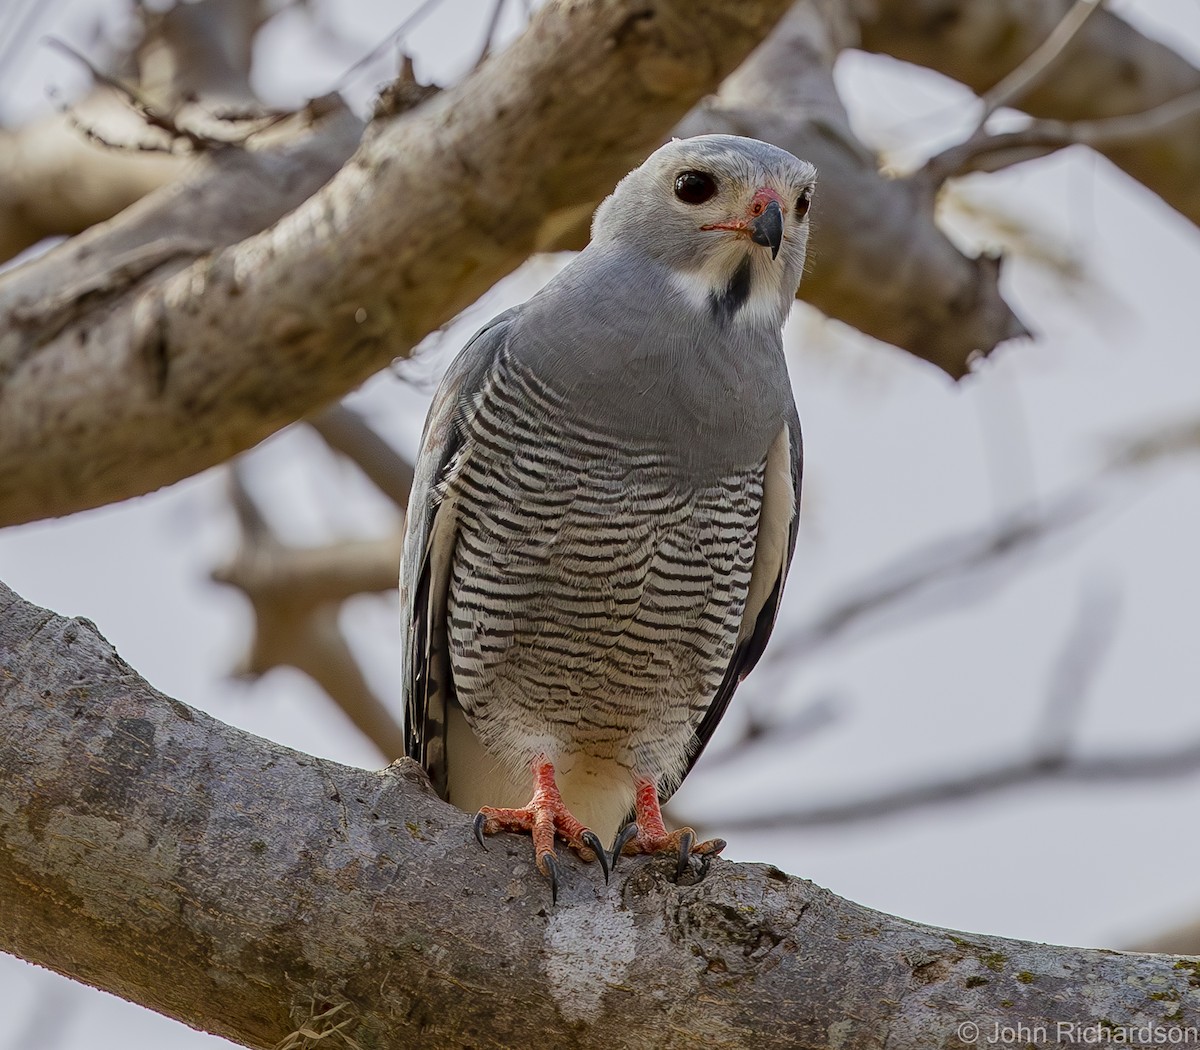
[[726, 215]]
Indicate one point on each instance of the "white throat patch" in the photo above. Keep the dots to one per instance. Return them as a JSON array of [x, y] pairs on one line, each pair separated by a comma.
[[703, 288]]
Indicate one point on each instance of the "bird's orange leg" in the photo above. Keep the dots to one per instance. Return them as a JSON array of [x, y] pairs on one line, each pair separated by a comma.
[[648, 833], [544, 817]]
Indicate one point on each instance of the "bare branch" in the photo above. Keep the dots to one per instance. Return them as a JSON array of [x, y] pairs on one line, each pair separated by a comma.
[[1048, 759], [53, 182], [992, 152], [394, 39], [1036, 66], [1152, 447], [1114, 71], [489, 36], [296, 595], [1074, 672], [186, 122], [345, 431], [944, 574], [288, 896], [983, 779]]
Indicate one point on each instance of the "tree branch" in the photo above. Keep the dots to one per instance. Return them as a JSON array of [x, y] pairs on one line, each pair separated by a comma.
[[1108, 70], [296, 594], [285, 894], [181, 368], [1050, 756], [347, 433], [54, 182]]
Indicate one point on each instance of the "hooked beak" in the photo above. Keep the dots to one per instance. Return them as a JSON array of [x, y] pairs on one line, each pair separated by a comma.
[[767, 229]]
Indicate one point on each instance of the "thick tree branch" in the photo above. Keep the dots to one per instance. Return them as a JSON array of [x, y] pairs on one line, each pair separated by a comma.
[[1109, 69], [281, 892], [182, 368]]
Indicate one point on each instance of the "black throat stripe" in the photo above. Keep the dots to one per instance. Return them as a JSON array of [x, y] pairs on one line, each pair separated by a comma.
[[727, 303]]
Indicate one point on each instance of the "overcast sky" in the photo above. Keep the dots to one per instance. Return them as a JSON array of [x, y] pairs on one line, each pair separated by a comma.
[[897, 456]]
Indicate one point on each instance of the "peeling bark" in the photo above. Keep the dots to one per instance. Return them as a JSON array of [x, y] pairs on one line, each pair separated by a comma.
[[141, 838]]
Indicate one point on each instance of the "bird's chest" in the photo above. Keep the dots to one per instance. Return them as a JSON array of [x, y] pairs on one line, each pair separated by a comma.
[[570, 521], [590, 576]]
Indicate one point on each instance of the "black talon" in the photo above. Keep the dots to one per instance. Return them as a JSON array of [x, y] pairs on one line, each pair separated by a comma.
[[686, 841], [626, 835], [592, 841], [480, 824], [552, 873]]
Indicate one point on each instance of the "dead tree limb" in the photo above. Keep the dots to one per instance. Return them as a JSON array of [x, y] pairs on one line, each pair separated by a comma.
[[253, 891]]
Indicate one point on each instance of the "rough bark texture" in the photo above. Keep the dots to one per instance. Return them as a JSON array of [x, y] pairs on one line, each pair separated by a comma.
[[1109, 69], [435, 207], [139, 837]]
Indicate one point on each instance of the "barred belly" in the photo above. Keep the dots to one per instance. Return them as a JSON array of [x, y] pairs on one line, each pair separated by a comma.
[[595, 595]]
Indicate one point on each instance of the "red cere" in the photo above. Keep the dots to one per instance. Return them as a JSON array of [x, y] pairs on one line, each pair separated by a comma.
[[763, 197]]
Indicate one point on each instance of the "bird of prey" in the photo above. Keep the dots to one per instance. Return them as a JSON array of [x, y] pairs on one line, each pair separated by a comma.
[[605, 509]]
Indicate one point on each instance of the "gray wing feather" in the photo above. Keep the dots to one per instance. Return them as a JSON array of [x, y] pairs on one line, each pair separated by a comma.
[[773, 557], [430, 536]]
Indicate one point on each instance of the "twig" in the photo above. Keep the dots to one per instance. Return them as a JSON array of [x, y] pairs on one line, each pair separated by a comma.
[[1049, 760], [1074, 672], [150, 113], [939, 575], [1040, 137], [171, 123], [490, 36], [1030, 72], [388, 41], [811, 719], [1168, 763], [1180, 437]]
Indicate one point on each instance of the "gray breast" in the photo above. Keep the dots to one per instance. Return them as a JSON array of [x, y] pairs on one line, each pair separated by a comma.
[[595, 597]]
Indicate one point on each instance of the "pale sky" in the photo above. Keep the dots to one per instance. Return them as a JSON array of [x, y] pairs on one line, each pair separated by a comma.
[[896, 455]]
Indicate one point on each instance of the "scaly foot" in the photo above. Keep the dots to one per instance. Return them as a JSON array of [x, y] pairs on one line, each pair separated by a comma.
[[544, 817], [648, 834]]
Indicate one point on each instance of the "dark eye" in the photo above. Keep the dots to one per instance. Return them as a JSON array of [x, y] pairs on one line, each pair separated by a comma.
[[695, 187], [802, 203]]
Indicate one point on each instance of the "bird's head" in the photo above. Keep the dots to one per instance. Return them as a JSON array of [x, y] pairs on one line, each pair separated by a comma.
[[727, 216]]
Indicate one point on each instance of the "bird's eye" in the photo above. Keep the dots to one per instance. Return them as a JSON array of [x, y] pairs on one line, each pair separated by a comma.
[[695, 187], [802, 203]]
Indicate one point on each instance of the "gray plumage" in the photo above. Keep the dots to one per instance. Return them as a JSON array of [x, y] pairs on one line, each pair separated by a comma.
[[605, 502]]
